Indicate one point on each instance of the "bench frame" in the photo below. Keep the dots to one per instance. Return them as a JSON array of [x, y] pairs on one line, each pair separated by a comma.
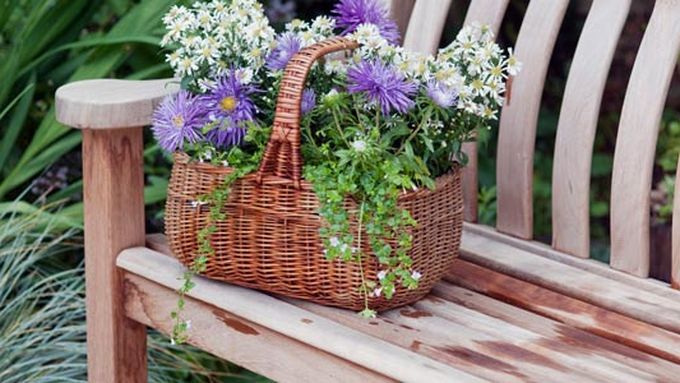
[[123, 298]]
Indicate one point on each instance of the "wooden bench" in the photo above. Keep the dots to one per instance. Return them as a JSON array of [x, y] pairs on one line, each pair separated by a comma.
[[511, 309]]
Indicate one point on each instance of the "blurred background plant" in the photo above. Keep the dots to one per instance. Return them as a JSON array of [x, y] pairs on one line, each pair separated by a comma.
[[42, 331], [47, 43]]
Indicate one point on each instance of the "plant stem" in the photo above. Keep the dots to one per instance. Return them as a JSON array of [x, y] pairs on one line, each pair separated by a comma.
[[337, 125], [361, 267], [413, 134]]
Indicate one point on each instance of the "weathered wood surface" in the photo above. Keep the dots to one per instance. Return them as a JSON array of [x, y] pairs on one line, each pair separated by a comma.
[[114, 217], [301, 325], [661, 311], [426, 25], [571, 311], [637, 137], [499, 328], [240, 341], [571, 340], [110, 104], [649, 285], [517, 134], [578, 123]]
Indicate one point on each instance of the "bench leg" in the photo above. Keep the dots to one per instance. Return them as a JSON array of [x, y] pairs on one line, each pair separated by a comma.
[[113, 184]]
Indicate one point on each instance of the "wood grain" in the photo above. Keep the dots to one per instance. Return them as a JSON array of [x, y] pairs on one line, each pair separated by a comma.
[[570, 311], [426, 25], [649, 285], [610, 294], [568, 339], [286, 319], [113, 187], [240, 341], [517, 135], [489, 12], [514, 344], [110, 104], [578, 124], [637, 137]]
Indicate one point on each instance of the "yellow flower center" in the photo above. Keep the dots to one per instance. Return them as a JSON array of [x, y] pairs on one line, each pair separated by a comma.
[[228, 103], [178, 121]]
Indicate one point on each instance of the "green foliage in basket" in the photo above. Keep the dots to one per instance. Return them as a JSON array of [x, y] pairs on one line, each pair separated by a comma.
[[377, 121]]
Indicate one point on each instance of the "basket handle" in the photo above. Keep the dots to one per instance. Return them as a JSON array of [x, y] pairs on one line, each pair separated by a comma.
[[282, 155]]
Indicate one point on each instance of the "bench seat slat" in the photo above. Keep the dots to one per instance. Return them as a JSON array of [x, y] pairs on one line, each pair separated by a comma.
[[611, 294], [240, 341], [284, 318], [569, 339], [570, 311], [493, 340]]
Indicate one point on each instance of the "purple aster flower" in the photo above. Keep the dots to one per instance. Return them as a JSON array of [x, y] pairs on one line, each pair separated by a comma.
[[229, 104], [287, 45], [349, 14], [178, 120], [441, 94], [382, 85], [308, 100]]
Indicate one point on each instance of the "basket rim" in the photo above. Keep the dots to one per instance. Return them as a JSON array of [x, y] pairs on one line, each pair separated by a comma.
[[183, 158]]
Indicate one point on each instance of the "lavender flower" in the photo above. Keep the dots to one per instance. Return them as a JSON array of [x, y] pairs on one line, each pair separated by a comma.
[[382, 85], [441, 94], [287, 45], [349, 14], [308, 100], [178, 120], [229, 105]]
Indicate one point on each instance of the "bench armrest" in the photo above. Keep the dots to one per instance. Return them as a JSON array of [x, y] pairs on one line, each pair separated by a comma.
[[111, 104]]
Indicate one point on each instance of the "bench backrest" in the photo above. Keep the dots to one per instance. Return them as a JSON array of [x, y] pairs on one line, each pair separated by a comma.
[[423, 22]]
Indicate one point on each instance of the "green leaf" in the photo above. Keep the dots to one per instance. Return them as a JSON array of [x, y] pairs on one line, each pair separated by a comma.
[[11, 134]]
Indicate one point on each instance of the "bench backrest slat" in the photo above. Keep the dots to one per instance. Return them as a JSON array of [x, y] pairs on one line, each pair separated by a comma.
[[637, 138], [400, 11], [426, 25], [489, 12], [578, 123], [515, 159]]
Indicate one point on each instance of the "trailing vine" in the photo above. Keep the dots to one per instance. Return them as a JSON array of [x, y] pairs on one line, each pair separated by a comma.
[[242, 162]]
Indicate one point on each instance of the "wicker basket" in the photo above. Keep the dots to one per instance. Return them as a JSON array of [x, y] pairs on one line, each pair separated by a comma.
[[270, 239]]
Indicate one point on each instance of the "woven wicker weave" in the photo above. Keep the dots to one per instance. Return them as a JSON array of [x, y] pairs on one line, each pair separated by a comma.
[[270, 239]]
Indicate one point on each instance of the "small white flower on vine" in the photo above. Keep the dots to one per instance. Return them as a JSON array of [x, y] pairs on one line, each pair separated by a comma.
[[376, 292], [359, 145], [225, 163], [382, 274], [196, 204], [188, 324], [416, 275], [172, 341], [334, 241]]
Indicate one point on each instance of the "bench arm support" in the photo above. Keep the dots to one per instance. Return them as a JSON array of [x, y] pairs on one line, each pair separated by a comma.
[[111, 114]]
